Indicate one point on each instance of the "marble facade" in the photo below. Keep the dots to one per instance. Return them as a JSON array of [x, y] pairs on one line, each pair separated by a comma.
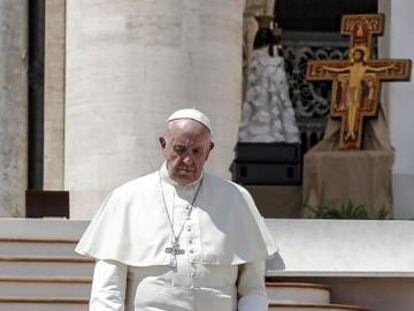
[[129, 64], [54, 94], [401, 108], [108, 50], [13, 107]]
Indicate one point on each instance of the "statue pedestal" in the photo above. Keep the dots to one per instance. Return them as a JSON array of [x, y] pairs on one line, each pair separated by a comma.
[[267, 164], [275, 201], [363, 177]]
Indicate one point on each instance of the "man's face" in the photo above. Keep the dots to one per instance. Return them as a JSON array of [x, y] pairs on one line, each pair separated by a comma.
[[186, 147], [358, 55]]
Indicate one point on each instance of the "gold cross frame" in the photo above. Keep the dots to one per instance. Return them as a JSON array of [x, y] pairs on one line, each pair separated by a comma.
[[356, 81]]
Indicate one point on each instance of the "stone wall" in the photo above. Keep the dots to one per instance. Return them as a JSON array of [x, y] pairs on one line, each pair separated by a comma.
[[401, 107], [13, 107]]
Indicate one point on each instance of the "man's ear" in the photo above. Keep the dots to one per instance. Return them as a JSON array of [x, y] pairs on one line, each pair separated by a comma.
[[163, 142], [211, 147]]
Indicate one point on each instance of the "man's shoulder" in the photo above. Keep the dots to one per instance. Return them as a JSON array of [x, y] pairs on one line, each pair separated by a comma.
[[139, 183], [225, 184]]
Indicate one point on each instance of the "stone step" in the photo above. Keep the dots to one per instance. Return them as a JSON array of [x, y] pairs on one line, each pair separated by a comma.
[[10, 303], [289, 292], [39, 271], [33, 228], [32, 266], [48, 287], [276, 306], [38, 246]]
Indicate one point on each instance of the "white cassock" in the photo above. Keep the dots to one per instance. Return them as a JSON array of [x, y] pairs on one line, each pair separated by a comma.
[[224, 238]]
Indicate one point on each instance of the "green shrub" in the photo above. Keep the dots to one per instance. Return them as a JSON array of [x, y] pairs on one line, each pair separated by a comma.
[[345, 211]]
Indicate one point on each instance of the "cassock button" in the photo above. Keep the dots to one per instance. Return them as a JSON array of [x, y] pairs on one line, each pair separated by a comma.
[[190, 241], [191, 251]]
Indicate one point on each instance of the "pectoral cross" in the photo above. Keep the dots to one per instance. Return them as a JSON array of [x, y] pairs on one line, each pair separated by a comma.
[[175, 249], [356, 81]]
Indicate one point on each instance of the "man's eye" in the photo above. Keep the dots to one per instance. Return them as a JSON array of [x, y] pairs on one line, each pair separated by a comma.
[[179, 149]]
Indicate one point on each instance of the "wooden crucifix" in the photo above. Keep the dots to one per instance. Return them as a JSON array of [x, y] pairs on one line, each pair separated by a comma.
[[356, 81]]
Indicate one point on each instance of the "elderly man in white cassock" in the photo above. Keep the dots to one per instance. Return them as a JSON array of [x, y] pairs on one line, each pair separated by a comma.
[[179, 239]]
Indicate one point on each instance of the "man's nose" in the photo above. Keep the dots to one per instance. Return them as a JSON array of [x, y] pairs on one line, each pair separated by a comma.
[[188, 159]]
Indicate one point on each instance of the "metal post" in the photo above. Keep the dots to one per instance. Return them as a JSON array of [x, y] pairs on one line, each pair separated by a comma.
[[36, 93]]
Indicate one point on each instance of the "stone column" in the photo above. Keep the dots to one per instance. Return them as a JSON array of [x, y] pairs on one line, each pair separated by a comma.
[[13, 107], [129, 64], [402, 110], [54, 94]]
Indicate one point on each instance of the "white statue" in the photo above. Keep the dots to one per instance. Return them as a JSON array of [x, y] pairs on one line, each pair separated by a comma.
[[267, 113]]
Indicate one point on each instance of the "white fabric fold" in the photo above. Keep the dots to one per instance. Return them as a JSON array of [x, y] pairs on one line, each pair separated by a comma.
[[154, 287], [132, 227], [251, 287], [108, 287]]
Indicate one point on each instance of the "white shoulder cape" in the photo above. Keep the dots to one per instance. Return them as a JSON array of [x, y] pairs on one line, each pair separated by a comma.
[[131, 226]]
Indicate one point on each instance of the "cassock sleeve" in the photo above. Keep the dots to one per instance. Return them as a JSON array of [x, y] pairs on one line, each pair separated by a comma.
[[251, 287], [108, 286]]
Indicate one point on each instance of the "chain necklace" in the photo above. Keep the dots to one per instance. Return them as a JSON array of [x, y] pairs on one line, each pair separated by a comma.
[[175, 247]]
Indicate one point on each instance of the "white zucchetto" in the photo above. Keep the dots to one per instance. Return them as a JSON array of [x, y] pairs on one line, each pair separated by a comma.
[[193, 114]]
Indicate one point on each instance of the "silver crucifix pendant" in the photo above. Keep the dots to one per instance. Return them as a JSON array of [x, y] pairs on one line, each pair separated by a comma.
[[175, 249]]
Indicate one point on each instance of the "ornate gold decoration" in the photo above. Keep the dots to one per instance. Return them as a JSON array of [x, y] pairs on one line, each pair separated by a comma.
[[356, 81]]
